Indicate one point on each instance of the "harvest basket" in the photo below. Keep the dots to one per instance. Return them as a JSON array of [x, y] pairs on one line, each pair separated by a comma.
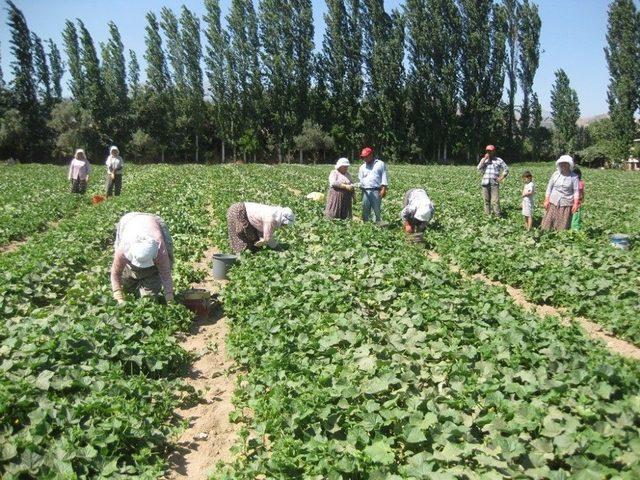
[[96, 199], [197, 300]]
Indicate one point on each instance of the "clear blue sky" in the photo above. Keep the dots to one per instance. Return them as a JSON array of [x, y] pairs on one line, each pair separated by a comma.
[[573, 35]]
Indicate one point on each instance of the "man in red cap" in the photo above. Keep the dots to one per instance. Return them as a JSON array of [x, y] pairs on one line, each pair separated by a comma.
[[494, 171], [373, 183]]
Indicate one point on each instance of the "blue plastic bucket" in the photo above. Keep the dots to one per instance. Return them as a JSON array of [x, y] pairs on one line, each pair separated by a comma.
[[620, 241]]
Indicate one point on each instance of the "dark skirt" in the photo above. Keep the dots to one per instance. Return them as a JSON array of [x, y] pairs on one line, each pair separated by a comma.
[[242, 235], [78, 186], [557, 218], [339, 204]]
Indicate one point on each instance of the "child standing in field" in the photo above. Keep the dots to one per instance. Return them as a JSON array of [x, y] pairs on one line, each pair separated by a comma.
[[576, 218], [528, 193]]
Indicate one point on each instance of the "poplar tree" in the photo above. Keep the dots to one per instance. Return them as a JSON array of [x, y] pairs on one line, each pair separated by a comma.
[[114, 71], [134, 74], [244, 74], [154, 111], [482, 69], [194, 91], [43, 76], [94, 91], [57, 70], [529, 44], [219, 74], [72, 49], [278, 61], [512, 13], [341, 70], [23, 85], [302, 32], [171, 28], [565, 110], [383, 112], [623, 58], [2, 84], [433, 50], [115, 84]]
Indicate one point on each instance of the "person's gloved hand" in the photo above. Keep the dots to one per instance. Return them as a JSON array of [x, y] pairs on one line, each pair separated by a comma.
[[546, 203], [119, 297]]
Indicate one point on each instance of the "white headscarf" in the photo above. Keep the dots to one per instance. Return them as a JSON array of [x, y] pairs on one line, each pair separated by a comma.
[[342, 162], [80, 151], [565, 159], [142, 251], [283, 216]]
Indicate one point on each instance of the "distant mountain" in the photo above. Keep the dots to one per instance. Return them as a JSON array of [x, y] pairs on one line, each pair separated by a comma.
[[547, 121]]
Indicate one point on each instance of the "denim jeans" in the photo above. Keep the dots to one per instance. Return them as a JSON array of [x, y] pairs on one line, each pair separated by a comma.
[[371, 200]]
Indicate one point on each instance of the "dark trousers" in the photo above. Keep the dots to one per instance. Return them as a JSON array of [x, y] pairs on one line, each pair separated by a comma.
[[114, 185], [78, 186]]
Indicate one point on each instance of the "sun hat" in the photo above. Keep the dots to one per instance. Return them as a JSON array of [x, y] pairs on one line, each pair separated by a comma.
[[342, 162], [142, 252], [490, 148], [366, 151]]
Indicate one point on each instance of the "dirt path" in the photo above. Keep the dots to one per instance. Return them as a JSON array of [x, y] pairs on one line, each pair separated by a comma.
[[595, 331], [210, 435], [14, 245]]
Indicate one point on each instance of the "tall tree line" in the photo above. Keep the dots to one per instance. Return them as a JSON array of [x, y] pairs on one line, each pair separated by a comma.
[[434, 80]]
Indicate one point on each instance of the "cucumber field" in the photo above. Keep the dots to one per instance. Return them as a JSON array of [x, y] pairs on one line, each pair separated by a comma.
[[357, 353]]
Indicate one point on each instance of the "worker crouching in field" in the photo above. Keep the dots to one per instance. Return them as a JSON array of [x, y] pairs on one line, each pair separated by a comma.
[[142, 258], [252, 225], [417, 212]]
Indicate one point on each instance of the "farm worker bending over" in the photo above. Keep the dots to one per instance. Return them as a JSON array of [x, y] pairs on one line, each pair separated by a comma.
[[79, 170], [340, 196], [417, 212], [562, 197], [114, 165], [494, 171], [142, 258], [252, 225], [373, 183]]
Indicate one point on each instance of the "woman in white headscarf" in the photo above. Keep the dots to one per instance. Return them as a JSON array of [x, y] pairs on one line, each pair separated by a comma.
[[79, 170], [142, 257], [562, 198], [340, 195], [417, 212], [114, 165], [252, 225]]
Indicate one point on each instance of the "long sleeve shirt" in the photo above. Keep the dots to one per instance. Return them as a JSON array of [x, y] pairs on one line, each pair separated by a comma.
[[336, 179], [414, 199], [262, 218], [131, 226], [114, 164], [491, 169], [372, 175], [563, 190], [79, 169]]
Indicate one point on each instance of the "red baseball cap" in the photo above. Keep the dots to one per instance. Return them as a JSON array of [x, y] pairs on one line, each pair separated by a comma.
[[490, 147], [366, 151]]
